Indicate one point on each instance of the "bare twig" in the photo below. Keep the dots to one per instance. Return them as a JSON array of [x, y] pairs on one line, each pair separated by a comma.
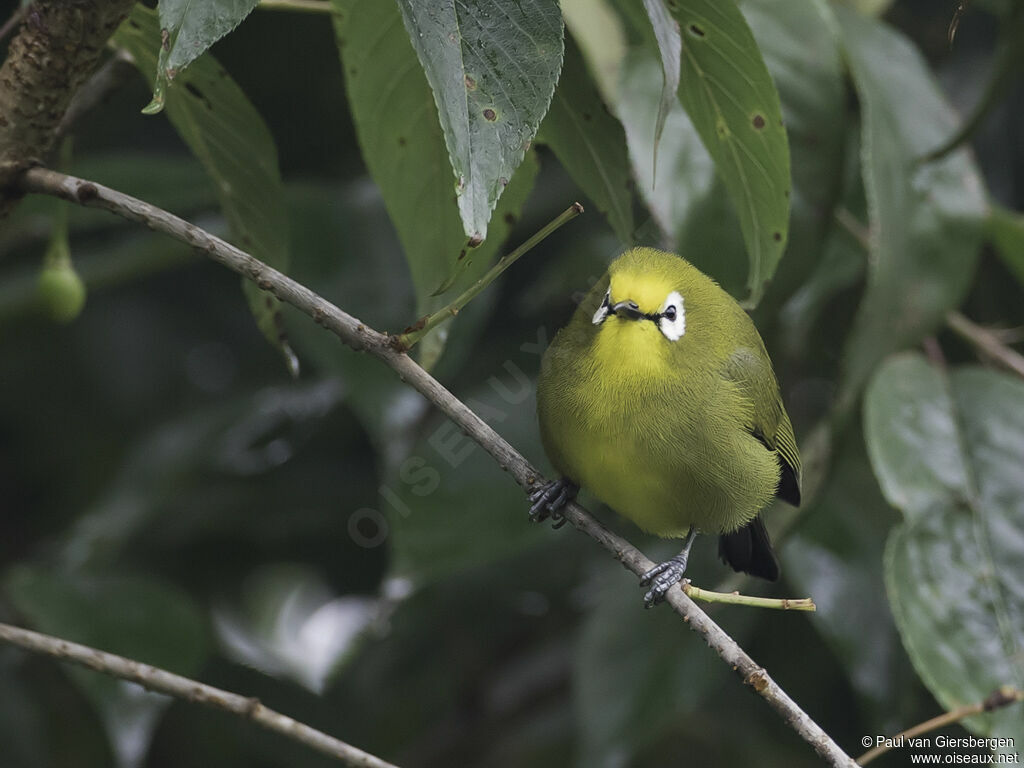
[[358, 336], [999, 698], [412, 335], [735, 598], [987, 342], [162, 681]]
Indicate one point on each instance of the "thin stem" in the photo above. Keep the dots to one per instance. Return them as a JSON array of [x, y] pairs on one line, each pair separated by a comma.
[[987, 342], [302, 6], [12, 21], [360, 337], [162, 681], [430, 322], [735, 598], [1001, 697]]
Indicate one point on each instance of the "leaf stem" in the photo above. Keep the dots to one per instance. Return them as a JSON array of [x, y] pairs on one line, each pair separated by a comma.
[[301, 6], [425, 325], [1001, 697], [986, 342], [735, 598]]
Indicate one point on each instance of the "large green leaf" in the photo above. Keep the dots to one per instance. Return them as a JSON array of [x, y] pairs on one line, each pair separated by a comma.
[[690, 202], [670, 48], [731, 99], [230, 139], [590, 143], [1006, 232], [402, 144], [946, 450], [925, 219], [492, 66], [187, 30], [133, 616]]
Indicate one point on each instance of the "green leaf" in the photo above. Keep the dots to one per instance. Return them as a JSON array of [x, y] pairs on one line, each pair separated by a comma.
[[132, 616], [946, 451], [731, 99], [187, 30], [402, 144], [1006, 232], [801, 50], [448, 506], [636, 675], [925, 219], [492, 66], [690, 202], [231, 141], [835, 555], [670, 47], [590, 143]]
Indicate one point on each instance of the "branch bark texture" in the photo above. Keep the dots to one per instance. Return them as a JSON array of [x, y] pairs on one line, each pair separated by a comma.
[[162, 681], [358, 336], [58, 46]]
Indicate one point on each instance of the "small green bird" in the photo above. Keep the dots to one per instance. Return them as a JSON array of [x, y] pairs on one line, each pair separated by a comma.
[[659, 397]]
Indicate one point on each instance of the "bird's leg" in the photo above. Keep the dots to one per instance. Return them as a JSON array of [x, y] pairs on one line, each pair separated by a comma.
[[662, 576], [549, 499]]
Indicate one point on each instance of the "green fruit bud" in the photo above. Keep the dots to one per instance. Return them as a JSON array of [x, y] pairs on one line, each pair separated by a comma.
[[61, 291]]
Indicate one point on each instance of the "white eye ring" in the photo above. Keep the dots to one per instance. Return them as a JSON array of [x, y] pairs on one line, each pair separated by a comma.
[[602, 311], [672, 322]]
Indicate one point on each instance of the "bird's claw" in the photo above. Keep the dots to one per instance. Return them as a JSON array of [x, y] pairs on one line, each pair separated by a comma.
[[549, 499], [661, 578]]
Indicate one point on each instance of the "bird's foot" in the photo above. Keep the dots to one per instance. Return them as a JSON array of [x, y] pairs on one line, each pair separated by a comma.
[[662, 577], [549, 499]]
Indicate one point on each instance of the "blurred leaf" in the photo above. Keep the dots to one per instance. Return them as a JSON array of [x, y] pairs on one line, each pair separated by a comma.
[[403, 147], [925, 219], [132, 616], [230, 139], [1006, 231], [636, 674], [835, 555], [670, 47], [290, 623], [601, 37], [946, 451], [590, 143], [493, 68], [729, 95], [22, 727], [449, 507], [204, 472], [187, 30]]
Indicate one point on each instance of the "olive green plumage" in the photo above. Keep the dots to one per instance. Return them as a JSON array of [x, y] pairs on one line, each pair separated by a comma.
[[669, 432]]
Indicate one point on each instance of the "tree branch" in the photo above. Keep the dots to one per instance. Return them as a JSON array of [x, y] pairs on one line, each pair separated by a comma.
[[358, 336], [56, 49], [162, 681], [986, 342], [999, 698]]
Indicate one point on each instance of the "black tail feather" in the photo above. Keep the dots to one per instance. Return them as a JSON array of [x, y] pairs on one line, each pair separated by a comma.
[[750, 550]]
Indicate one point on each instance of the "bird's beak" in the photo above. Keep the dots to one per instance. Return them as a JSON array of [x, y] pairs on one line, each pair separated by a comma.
[[627, 308]]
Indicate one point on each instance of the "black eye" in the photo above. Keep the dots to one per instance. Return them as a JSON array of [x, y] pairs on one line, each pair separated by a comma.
[[670, 313]]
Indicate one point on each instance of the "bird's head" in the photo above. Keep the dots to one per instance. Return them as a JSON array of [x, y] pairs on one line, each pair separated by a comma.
[[640, 321]]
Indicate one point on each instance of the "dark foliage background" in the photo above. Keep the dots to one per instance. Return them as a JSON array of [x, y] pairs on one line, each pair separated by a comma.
[[170, 493]]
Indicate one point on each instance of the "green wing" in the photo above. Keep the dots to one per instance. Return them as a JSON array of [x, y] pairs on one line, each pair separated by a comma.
[[769, 422]]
